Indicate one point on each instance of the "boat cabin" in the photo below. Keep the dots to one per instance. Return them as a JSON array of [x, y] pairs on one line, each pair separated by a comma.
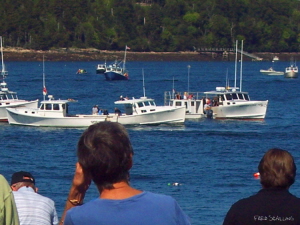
[[193, 101], [224, 95], [137, 106], [55, 108], [5, 94]]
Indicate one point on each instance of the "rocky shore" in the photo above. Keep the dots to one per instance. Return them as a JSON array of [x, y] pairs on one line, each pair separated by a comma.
[[18, 54]]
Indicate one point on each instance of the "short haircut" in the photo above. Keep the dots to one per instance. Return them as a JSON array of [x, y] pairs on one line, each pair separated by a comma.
[[277, 169], [104, 150]]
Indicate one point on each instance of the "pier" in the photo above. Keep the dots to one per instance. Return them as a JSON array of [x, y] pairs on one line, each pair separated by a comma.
[[224, 52]]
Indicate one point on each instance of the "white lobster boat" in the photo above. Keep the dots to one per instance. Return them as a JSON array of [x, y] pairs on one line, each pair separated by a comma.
[[228, 103], [52, 113], [144, 111], [10, 98]]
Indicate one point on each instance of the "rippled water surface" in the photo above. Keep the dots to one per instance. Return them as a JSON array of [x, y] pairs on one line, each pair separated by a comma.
[[213, 160]]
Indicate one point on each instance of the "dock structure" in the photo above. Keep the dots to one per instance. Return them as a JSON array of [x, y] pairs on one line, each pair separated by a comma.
[[225, 51]]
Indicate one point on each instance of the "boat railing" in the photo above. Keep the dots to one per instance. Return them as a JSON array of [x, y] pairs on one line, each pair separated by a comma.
[[172, 95]]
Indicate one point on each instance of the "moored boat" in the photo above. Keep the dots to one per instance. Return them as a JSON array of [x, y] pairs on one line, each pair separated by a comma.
[[117, 71], [291, 71], [10, 98], [101, 68], [271, 71]]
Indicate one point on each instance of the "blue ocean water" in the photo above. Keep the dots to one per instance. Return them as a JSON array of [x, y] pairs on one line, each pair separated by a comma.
[[213, 160]]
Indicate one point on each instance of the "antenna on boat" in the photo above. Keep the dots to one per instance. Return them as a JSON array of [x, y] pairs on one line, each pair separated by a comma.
[[241, 68], [236, 47], [44, 85], [124, 58], [3, 72], [189, 78], [227, 81], [144, 84]]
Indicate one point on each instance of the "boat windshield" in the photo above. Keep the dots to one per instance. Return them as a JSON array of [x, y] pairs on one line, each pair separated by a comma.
[[228, 97], [4, 97], [234, 96]]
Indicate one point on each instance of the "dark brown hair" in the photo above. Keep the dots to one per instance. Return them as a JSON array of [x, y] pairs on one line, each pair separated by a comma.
[[104, 150], [277, 169]]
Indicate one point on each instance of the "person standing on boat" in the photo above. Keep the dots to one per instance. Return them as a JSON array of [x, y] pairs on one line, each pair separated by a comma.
[[105, 156], [207, 105], [273, 204], [32, 207], [118, 112], [95, 110]]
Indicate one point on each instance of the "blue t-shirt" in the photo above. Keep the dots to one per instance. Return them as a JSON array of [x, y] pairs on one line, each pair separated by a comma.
[[146, 209]]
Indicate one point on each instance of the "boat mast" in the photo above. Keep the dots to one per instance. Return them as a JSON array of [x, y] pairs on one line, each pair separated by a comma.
[[44, 86], [3, 72], [144, 90], [241, 68], [227, 81], [124, 59], [189, 78], [236, 46]]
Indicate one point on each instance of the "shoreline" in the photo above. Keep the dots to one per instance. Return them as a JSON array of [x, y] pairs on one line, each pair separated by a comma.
[[18, 54]]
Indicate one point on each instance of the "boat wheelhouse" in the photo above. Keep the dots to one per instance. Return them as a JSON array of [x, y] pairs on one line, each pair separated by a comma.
[[144, 111], [192, 101]]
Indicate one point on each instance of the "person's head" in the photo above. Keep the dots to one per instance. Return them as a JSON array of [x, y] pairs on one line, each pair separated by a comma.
[[104, 150], [21, 179], [277, 169]]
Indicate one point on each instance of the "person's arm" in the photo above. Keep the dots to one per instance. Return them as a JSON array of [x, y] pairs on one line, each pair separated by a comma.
[[80, 185]]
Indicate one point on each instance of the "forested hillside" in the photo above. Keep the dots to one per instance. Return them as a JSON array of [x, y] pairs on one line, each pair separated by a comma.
[[151, 25]]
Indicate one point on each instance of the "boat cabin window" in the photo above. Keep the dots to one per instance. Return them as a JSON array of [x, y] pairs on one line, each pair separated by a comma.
[[152, 103], [246, 97], [241, 96], [4, 97], [178, 104], [147, 103], [228, 96], [55, 106], [234, 96], [48, 106], [140, 104]]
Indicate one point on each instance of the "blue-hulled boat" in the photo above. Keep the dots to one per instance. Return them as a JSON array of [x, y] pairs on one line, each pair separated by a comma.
[[117, 71]]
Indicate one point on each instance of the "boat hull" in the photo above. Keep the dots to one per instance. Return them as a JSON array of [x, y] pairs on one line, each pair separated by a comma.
[[31, 117], [291, 74], [241, 110], [162, 115], [271, 73], [111, 75], [12, 104], [100, 71], [19, 117]]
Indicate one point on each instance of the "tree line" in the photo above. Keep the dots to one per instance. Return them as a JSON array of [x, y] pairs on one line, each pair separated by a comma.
[[151, 25]]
